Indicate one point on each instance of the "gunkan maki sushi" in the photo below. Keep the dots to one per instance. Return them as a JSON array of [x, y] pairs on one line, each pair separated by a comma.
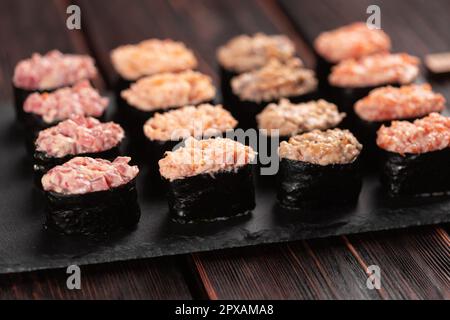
[[386, 104], [353, 79], [160, 93], [167, 130], [87, 196], [44, 110], [46, 73], [77, 136], [246, 53], [289, 119], [150, 57], [209, 180], [351, 41], [416, 156], [282, 120], [319, 168], [254, 90]]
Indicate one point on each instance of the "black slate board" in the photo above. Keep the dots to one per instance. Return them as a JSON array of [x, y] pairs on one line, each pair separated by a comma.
[[26, 246]]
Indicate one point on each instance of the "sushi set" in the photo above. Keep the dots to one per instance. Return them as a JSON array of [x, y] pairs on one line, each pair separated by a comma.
[[166, 164]]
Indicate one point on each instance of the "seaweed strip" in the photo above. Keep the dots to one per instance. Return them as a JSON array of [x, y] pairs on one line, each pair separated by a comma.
[[416, 174], [304, 185], [93, 213], [208, 197]]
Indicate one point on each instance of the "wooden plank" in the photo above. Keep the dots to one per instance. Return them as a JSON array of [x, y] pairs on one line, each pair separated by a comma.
[[29, 26], [414, 265], [320, 269], [141, 279]]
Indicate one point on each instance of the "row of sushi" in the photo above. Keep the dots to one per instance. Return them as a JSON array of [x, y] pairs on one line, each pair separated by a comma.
[[163, 101]]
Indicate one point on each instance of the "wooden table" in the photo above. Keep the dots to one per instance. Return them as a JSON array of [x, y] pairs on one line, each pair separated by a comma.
[[415, 263]]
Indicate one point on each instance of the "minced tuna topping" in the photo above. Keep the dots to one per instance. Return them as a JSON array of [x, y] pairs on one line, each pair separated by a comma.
[[79, 135], [83, 175], [428, 134], [168, 90], [406, 102], [324, 148], [152, 56], [205, 120], [205, 156], [351, 41], [81, 99], [377, 69], [245, 53], [291, 119], [53, 70], [274, 81]]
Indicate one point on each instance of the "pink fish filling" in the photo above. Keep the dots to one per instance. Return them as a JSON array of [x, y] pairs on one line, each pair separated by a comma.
[[428, 134], [81, 99], [83, 175], [79, 135], [53, 70]]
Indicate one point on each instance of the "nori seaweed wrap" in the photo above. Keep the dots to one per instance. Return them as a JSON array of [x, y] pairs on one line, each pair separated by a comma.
[[318, 169], [215, 190], [416, 174], [415, 157], [208, 198], [94, 212], [305, 185]]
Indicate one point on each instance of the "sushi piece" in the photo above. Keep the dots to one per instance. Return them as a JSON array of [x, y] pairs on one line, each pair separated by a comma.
[[44, 110], [150, 57], [246, 53], [46, 73], [160, 93], [319, 168], [416, 156], [290, 119], [167, 130], [282, 120], [87, 196], [386, 104], [209, 180], [254, 90], [77, 136], [351, 41], [353, 79]]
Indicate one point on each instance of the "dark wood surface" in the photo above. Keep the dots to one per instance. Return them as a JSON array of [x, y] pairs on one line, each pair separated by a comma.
[[415, 263]]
